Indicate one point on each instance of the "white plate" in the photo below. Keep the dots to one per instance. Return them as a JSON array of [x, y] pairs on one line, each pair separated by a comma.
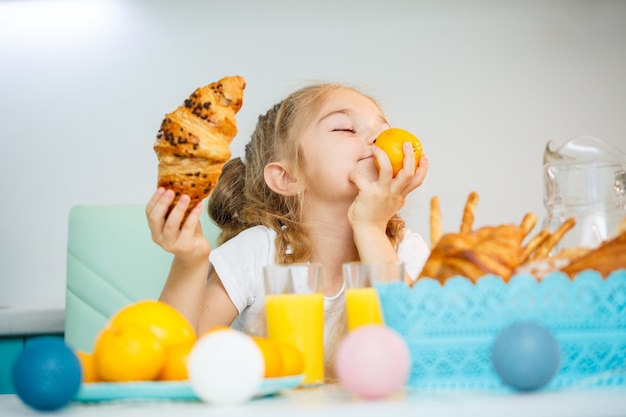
[[168, 390]]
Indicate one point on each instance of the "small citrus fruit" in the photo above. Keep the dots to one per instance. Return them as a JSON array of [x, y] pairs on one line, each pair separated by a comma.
[[88, 366], [391, 141], [129, 353], [292, 359], [175, 366], [271, 355], [167, 323]]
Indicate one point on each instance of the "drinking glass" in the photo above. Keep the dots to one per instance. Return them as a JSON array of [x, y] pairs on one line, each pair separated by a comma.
[[294, 306], [362, 302]]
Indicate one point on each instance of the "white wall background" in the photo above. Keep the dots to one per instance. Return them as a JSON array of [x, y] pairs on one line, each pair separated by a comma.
[[485, 84]]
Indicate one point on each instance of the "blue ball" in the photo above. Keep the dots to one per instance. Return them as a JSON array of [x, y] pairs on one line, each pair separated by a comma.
[[526, 356], [46, 374]]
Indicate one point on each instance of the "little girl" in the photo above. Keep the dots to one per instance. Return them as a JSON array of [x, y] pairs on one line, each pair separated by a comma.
[[308, 191]]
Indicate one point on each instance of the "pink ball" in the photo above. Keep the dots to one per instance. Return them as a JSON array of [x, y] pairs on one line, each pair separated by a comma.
[[373, 362]]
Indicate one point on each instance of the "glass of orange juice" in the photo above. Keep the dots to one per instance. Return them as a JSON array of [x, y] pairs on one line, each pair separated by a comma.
[[362, 302], [294, 307]]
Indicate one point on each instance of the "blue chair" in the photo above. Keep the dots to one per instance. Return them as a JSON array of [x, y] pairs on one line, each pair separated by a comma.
[[111, 262]]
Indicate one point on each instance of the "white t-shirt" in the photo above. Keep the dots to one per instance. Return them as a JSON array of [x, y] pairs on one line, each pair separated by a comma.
[[239, 263]]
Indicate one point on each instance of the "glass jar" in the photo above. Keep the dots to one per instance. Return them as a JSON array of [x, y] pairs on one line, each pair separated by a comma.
[[585, 178]]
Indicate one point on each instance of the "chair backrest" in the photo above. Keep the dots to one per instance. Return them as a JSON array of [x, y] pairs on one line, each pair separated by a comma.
[[111, 262]]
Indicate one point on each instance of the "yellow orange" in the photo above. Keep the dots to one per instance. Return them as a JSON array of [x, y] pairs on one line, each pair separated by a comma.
[[391, 141], [175, 366], [271, 355], [168, 324], [128, 353], [292, 359], [88, 365]]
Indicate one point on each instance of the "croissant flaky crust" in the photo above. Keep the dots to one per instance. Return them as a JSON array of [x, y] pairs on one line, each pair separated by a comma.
[[193, 142], [609, 256], [488, 250], [497, 250], [500, 250]]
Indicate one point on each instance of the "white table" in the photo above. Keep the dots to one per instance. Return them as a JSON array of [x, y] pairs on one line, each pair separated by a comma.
[[331, 401]]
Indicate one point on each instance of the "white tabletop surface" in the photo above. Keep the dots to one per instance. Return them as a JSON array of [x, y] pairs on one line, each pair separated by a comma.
[[330, 401]]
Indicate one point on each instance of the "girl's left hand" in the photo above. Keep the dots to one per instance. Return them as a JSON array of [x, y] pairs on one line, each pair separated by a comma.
[[379, 200]]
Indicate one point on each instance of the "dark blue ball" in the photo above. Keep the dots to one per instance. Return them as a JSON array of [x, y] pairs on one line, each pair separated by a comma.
[[46, 374], [526, 356]]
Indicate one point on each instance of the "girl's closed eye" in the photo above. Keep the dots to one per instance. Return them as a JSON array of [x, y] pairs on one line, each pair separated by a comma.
[[344, 129]]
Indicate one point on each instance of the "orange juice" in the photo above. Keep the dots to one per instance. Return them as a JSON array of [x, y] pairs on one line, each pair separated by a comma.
[[299, 319], [362, 307]]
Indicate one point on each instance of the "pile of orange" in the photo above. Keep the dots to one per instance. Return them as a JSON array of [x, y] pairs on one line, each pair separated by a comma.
[[391, 141], [151, 341], [281, 359], [147, 340]]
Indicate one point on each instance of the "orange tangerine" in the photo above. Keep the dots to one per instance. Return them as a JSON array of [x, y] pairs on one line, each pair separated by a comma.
[[175, 366], [128, 353], [167, 323], [88, 365], [272, 356], [391, 141], [292, 359]]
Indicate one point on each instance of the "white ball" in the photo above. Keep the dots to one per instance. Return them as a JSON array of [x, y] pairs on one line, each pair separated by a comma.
[[225, 367]]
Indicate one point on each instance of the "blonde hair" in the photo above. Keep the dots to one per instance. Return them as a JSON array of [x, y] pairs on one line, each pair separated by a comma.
[[242, 199]]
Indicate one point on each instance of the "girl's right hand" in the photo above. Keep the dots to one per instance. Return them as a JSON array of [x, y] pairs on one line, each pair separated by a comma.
[[186, 241]]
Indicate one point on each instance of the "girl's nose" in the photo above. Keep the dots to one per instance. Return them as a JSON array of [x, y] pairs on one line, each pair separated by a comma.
[[371, 137]]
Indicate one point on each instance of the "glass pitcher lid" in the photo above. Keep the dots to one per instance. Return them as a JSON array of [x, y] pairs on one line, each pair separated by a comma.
[[583, 150]]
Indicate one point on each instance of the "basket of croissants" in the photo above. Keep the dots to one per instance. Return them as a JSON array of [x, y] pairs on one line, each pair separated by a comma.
[[478, 281], [507, 249]]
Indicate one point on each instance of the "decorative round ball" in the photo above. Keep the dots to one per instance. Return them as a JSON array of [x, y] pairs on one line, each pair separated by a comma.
[[526, 356], [225, 367], [46, 374], [372, 361]]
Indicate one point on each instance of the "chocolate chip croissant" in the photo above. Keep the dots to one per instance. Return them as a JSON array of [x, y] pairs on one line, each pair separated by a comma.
[[193, 142]]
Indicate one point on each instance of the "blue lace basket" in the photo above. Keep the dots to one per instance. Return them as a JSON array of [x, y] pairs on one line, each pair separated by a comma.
[[451, 328]]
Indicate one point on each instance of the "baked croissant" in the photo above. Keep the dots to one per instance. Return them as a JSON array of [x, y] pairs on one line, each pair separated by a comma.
[[608, 257], [487, 250], [496, 250], [193, 142]]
